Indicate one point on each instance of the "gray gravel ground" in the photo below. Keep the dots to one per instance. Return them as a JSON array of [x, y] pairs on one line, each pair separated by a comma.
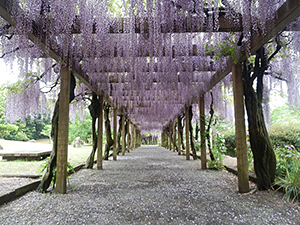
[[8, 184], [151, 185]]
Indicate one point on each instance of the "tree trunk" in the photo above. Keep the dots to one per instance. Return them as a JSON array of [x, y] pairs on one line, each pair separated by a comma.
[[48, 176], [128, 135], [175, 148], [207, 132], [262, 149], [119, 135], [180, 130], [192, 141], [94, 108], [197, 131], [109, 140]]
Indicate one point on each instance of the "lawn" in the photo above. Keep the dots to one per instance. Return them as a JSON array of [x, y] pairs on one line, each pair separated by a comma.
[[76, 156]]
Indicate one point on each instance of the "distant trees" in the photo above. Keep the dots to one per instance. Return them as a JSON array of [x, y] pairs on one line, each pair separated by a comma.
[[31, 128]]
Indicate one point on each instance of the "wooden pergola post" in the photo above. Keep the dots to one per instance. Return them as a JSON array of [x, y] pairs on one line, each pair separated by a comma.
[[170, 135], [202, 132], [174, 136], [179, 136], [240, 131], [128, 136], [100, 134], [63, 131], [187, 134], [132, 137], [115, 135], [123, 135]]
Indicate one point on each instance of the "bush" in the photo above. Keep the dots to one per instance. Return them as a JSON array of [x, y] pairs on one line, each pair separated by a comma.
[[230, 144], [284, 159], [291, 182], [20, 136], [288, 133], [81, 128], [215, 165]]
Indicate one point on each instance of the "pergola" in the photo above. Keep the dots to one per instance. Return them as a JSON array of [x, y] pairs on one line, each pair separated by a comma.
[[153, 66]]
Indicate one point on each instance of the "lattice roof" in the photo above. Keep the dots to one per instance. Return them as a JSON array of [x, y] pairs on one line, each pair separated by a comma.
[[149, 60]]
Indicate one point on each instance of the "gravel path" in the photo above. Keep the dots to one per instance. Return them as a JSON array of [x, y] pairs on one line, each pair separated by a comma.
[[8, 184], [151, 185]]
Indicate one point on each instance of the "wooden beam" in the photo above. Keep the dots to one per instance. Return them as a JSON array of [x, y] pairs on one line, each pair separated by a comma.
[[38, 40], [174, 135], [123, 135], [128, 136], [63, 131], [240, 130], [287, 13], [187, 134], [179, 136], [202, 131], [115, 134], [100, 135], [185, 24]]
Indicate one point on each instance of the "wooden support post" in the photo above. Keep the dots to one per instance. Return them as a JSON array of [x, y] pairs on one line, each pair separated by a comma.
[[128, 136], [132, 137], [240, 131], [187, 134], [123, 135], [100, 134], [115, 135], [63, 131], [202, 132], [174, 136], [170, 136], [179, 137]]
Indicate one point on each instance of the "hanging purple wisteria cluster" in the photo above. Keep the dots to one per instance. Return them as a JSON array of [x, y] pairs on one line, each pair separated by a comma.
[[149, 56]]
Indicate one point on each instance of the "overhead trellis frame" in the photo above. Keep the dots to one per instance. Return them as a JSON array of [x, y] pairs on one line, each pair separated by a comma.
[[152, 63]]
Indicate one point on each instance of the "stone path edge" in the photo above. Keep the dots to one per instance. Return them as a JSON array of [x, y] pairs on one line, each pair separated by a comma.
[[18, 192]]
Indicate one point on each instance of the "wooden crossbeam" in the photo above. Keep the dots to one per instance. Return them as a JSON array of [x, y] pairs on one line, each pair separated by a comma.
[[185, 24], [119, 65], [286, 14], [122, 78], [37, 39]]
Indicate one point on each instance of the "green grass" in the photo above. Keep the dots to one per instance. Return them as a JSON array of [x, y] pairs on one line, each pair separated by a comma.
[[76, 156]]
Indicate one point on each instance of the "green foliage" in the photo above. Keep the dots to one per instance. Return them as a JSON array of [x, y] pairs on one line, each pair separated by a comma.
[[6, 129], [43, 167], [285, 156], [226, 48], [229, 143], [81, 128], [215, 164], [31, 129], [288, 133], [291, 182], [285, 128]]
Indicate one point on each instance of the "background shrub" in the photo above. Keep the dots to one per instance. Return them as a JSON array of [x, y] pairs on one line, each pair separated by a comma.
[[287, 133]]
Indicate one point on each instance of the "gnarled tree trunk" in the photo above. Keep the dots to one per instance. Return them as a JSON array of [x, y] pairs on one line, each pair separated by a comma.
[[47, 178], [262, 149], [119, 149], [180, 130], [109, 140], [207, 132], [94, 109], [192, 141]]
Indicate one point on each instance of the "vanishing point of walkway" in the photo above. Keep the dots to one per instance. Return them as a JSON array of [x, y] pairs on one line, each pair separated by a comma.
[[151, 185]]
